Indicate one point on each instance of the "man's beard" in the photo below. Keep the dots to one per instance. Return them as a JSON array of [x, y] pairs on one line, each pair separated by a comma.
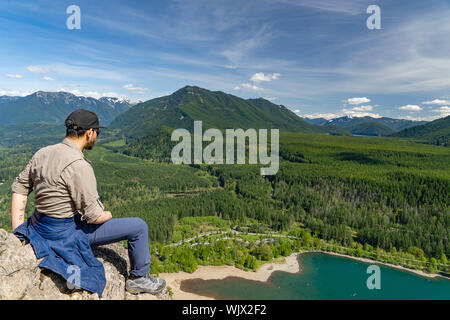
[[90, 145]]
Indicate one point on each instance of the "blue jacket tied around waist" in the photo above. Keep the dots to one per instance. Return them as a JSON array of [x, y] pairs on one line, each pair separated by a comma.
[[65, 249]]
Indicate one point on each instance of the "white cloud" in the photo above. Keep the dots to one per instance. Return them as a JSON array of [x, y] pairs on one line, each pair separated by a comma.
[[260, 76], [237, 88], [135, 89], [356, 101], [359, 114], [93, 94], [438, 102], [14, 76], [48, 78], [327, 116], [297, 110], [444, 111], [410, 107], [230, 67], [358, 111], [252, 87], [362, 108], [16, 92], [74, 91], [98, 95], [38, 69], [430, 118], [270, 98]]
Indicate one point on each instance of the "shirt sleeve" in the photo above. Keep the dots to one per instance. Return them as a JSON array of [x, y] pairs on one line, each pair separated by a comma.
[[23, 184], [82, 186]]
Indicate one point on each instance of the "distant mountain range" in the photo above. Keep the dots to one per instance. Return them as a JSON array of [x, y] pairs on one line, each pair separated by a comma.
[[367, 125], [215, 109], [435, 132], [54, 107]]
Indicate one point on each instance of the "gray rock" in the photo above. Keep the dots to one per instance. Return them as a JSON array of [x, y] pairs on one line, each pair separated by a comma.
[[21, 278]]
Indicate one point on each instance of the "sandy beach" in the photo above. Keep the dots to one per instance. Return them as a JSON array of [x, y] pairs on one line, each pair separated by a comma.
[[289, 264]]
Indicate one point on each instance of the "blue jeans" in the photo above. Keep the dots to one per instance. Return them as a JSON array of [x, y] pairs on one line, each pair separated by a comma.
[[135, 230]]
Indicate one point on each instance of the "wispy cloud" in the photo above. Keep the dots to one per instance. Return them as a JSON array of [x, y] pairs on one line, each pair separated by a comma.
[[362, 108], [93, 94], [47, 78], [130, 87], [38, 69], [260, 76], [438, 102], [356, 101], [327, 116], [420, 118], [444, 111], [14, 76], [355, 112], [351, 7], [82, 70], [98, 95], [410, 107], [18, 93], [244, 47], [252, 87]]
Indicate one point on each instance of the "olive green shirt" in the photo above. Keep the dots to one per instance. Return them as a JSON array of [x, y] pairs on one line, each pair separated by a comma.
[[64, 182]]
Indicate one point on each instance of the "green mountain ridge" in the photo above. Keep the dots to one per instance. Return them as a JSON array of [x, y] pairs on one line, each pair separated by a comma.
[[215, 109], [369, 128], [435, 132]]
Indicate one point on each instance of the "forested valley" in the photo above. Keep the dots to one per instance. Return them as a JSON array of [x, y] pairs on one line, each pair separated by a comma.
[[382, 198]]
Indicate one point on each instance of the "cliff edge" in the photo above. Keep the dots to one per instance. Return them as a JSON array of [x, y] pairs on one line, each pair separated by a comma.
[[21, 278]]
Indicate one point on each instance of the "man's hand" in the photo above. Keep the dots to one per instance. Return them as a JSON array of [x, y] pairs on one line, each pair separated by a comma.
[[105, 216], [18, 204]]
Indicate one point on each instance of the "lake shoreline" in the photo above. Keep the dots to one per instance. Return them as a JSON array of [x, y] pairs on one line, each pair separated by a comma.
[[366, 260], [289, 264]]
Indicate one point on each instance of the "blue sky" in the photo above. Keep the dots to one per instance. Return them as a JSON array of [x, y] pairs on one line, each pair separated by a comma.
[[316, 57]]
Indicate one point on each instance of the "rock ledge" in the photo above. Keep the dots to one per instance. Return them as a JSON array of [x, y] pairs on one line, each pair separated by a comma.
[[21, 278]]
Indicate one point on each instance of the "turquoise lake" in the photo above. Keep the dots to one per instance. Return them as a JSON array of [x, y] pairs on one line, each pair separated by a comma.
[[325, 277]]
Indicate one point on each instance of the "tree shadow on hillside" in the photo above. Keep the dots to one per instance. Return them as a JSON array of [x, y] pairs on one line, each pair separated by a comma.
[[357, 157]]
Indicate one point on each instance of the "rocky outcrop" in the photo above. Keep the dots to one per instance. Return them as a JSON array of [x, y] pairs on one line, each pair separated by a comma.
[[21, 278]]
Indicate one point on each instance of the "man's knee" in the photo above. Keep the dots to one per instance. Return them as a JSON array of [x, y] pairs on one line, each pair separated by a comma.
[[140, 225]]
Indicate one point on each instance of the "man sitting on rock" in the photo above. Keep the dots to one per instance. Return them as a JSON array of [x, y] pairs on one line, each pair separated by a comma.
[[69, 217]]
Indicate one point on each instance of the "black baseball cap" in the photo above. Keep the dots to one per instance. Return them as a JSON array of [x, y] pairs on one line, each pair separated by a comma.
[[82, 119]]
